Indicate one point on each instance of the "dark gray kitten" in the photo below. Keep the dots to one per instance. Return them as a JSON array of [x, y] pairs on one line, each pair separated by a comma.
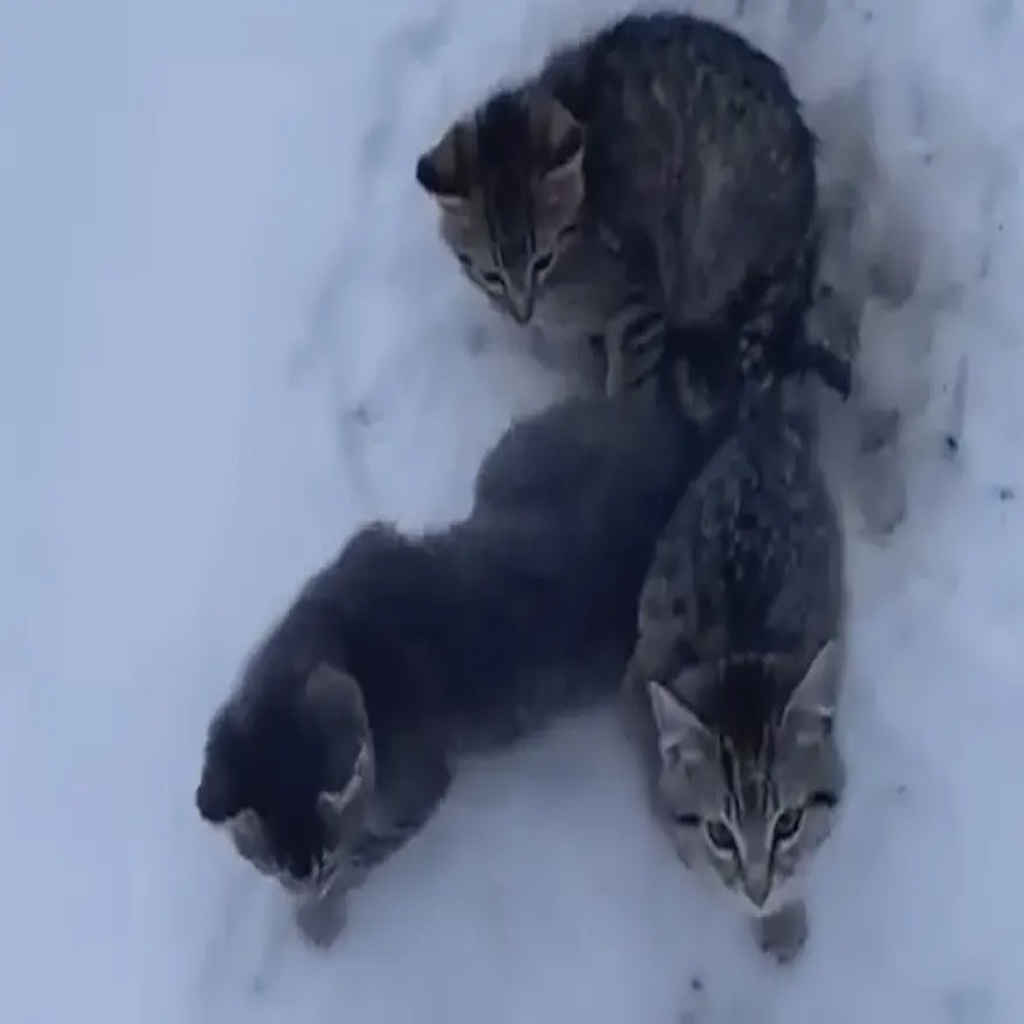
[[733, 686], [406, 651], [653, 186]]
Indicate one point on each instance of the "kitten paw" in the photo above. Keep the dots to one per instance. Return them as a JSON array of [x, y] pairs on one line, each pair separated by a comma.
[[321, 919], [782, 935]]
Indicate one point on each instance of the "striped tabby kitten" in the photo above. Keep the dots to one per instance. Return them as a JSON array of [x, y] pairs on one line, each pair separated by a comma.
[[732, 689], [653, 185]]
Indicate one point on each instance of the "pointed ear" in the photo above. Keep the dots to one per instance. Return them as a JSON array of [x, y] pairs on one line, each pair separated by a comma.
[[334, 693], [332, 806], [811, 709], [558, 139], [247, 834], [555, 134], [443, 170], [682, 738]]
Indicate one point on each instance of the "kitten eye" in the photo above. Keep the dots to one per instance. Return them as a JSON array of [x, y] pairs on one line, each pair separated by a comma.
[[492, 279], [566, 233], [829, 801], [464, 260], [684, 820], [788, 823], [542, 264], [720, 835]]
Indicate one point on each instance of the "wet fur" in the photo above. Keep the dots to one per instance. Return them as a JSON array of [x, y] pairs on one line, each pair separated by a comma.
[[461, 638]]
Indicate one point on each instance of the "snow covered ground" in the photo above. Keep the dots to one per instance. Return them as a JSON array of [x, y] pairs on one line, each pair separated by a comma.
[[228, 335]]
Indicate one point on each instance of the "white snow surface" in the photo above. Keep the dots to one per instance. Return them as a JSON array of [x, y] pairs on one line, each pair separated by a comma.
[[230, 334]]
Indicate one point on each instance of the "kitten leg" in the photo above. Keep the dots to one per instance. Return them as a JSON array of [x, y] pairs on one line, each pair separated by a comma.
[[597, 346], [832, 326], [411, 803], [881, 483], [782, 934], [613, 364], [880, 479], [418, 786], [881, 476]]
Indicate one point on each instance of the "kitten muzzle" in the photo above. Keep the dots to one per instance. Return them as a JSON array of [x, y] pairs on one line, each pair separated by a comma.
[[757, 884], [520, 308]]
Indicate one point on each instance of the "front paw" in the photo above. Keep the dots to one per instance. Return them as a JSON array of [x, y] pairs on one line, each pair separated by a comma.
[[321, 919], [782, 935]]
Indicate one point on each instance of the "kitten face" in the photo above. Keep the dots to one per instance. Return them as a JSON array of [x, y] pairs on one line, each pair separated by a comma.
[[289, 776], [752, 811], [509, 187]]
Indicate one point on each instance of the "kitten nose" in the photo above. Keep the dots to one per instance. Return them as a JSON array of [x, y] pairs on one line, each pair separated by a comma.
[[757, 884], [520, 305]]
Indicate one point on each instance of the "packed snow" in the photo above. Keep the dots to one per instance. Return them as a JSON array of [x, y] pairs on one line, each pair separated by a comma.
[[230, 334]]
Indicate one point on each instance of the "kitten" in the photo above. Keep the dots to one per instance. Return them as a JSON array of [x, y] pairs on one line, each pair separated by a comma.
[[407, 651], [732, 688], [653, 186]]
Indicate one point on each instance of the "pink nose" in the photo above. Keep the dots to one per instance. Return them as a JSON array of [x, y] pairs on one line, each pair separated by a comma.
[[757, 885]]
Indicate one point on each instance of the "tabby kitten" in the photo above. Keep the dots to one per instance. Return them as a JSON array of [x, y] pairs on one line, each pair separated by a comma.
[[733, 685], [407, 651], [653, 186]]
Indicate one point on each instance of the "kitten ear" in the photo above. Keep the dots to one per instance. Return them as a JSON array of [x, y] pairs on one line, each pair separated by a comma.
[[558, 138], [335, 694], [247, 833], [682, 737], [332, 806], [442, 171], [811, 708], [556, 135]]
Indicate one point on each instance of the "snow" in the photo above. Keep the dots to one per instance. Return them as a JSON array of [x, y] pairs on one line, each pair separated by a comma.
[[229, 335]]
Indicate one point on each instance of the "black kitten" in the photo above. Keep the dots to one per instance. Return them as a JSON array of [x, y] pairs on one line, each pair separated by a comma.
[[339, 743]]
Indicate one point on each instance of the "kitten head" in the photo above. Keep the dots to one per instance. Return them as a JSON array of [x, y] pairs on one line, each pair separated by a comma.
[[751, 793], [289, 775], [509, 185]]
